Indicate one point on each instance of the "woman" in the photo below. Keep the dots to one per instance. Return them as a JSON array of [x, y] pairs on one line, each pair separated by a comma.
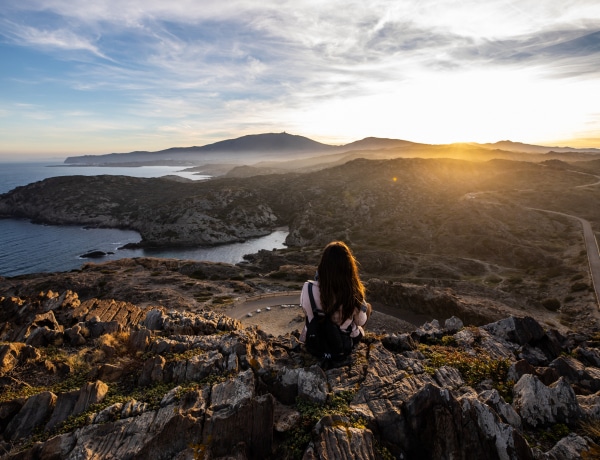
[[338, 292]]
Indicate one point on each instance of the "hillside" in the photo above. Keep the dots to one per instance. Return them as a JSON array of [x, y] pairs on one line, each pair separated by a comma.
[[111, 360], [445, 222]]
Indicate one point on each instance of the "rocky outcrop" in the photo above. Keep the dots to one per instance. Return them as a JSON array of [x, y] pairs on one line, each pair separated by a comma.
[[182, 214], [132, 382]]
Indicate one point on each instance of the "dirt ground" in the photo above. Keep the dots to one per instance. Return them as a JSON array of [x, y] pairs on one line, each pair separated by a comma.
[[281, 320]]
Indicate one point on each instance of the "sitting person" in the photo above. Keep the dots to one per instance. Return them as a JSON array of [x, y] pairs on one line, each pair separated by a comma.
[[338, 294]]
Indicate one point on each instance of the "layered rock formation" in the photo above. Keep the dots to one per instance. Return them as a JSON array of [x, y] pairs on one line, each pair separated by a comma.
[[87, 379]]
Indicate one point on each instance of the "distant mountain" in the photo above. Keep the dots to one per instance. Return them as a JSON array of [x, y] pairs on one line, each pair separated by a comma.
[[301, 151], [259, 145], [369, 143], [511, 146]]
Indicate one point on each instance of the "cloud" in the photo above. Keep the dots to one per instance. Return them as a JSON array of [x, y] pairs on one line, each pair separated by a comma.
[[188, 66]]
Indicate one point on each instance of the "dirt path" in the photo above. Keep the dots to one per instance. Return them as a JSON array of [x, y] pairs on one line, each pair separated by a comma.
[[281, 313]]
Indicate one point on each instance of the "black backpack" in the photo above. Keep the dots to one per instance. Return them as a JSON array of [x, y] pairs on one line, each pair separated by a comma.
[[324, 338]]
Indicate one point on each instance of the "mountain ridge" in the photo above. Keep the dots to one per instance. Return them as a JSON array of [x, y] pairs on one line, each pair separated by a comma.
[[266, 146]]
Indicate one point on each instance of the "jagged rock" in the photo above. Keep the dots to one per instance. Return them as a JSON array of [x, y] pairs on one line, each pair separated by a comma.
[[233, 393], [44, 336], [517, 330], [284, 417], [74, 336], [547, 375], [534, 356], [140, 340], [154, 320], [585, 379], [448, 377], [13, 353], [152, 372], [590, 405], [335, 438], [109, 373], [98, 328], [572, 447], [589, 355], [133, 408], [506, 412], [412, 411], [149, 435], [539, 405], [399, 342], [75, 402], [235, 416], [65, 403], [312, 385], [162, 346], [91, 393], [519, 369], [496, 347], [111, 413], [8, 410], [195, 368], [428, 331], [32, 414], [432, 411], [453, 324]]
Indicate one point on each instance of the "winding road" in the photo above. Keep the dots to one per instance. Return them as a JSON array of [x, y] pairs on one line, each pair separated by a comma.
[[591, 246]]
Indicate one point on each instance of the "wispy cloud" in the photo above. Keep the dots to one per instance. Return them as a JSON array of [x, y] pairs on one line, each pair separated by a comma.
[[189, 66]]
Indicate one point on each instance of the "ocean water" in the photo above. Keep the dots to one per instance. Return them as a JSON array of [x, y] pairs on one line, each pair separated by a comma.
[[27, 248]]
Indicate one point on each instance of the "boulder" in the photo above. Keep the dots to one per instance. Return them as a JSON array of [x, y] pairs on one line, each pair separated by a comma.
[[590, 405], [334, 437], [312, 385], [428, 332], [585, 379], [518, 330], [140, 340], [571, 447], [14, 353], [237, 418], [152, 371], [591, 356], [154, 320], [453, 324], [34, 412], [541, 405]]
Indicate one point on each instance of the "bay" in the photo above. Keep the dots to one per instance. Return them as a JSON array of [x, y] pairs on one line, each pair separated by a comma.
[[28, 248]]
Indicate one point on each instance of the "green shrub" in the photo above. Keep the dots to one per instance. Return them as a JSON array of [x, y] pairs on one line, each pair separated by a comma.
[[579, 286], [473, 368], [551, 304]]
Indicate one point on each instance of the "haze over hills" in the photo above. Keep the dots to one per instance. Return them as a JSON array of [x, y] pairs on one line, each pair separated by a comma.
[[284, 147]]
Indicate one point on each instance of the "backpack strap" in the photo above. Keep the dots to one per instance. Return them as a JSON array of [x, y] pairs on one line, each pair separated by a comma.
[[313, 304]]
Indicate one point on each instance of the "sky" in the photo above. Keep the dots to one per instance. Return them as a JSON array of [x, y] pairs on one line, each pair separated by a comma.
[[117, 76]]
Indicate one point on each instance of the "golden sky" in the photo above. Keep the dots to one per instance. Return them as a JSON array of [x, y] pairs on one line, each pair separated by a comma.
[[114, 76]]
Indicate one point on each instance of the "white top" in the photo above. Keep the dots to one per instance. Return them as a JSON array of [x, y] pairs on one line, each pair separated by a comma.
[[358, 319]]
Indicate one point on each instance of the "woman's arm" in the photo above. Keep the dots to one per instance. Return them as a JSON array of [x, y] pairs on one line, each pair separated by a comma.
[[362, 314]]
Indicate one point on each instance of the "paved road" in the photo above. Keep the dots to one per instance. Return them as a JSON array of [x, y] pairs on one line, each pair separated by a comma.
[[591, 245]]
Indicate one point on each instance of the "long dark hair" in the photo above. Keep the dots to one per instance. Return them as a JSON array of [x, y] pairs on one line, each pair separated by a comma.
[[339, 283]]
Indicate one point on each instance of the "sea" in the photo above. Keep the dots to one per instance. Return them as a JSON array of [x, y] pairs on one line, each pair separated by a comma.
[[27, 248]]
